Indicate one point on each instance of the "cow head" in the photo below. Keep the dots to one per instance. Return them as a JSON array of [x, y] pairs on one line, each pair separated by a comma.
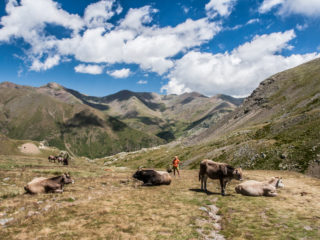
[[138, 174], [237, 173], [279, 183], [67, 179]]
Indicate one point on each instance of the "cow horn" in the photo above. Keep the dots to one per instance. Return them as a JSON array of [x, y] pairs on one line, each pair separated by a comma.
[[140, 167]]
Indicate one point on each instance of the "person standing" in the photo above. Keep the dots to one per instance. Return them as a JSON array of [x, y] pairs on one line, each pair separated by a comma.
[[175, 165]]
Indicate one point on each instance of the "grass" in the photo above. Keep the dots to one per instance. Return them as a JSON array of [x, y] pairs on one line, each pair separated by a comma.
[[284, 217], [106, 203]]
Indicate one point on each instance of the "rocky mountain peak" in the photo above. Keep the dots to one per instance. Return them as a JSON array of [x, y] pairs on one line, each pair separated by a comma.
[[9, 85], [53, 85]]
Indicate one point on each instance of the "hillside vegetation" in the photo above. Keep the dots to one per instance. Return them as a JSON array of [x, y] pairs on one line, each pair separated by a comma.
[[167, 116], [28, 113], [277, 127]]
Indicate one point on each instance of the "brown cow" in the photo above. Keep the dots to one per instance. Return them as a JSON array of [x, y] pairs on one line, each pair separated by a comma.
[[48, 185], [52, 158], [60, 159], [222, 171], [151, 177]]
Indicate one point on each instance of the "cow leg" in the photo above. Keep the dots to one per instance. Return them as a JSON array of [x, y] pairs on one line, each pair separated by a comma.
[[148, 183], [202, 182], [225, 183], [222, 185], [269, 192], [205, 178]]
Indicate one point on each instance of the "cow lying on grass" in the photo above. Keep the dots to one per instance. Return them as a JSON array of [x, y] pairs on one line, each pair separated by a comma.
[[222, 171], [48, 185], [151, 177], [255, 188]]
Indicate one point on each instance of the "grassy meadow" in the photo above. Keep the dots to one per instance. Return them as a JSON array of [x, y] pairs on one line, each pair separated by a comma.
[[106, 203]]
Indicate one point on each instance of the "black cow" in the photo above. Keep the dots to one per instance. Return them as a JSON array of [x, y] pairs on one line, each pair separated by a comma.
[[151, 177]]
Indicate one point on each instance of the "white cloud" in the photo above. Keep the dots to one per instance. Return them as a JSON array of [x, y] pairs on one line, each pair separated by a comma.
[[238, 26], [302, 27], [97, 14], [254, 20], [50, 62], [121, 73], [303, 7], [132, 40], [27, 19], [236, 73], [221, 7], [90, 69], [185, 9], [142, 82], [267, 5]]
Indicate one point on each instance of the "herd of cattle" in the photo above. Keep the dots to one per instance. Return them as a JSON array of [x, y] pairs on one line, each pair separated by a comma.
[[208, 169], [60, 159]]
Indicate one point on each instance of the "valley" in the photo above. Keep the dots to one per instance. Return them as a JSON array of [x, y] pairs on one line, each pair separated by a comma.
[[273, 132]]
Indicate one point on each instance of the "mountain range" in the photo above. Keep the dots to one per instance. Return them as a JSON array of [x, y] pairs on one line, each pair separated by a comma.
[[276, 127], [99, 126]]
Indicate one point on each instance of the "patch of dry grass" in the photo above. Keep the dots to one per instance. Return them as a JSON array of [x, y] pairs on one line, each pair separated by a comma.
[[293, 214], [106, 203]]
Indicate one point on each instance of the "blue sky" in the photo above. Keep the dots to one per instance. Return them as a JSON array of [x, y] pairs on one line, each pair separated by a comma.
[[167, 46]]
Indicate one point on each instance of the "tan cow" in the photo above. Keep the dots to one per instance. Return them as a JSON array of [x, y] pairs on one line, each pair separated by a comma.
[[255, 188], [215, 170], [47, 185]]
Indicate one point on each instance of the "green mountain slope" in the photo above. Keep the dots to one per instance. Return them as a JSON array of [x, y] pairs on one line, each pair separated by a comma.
[[276, 127], [48, 113], [167, 116]]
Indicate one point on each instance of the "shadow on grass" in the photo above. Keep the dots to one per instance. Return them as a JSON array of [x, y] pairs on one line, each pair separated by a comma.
[[201, 191], [207, 192]]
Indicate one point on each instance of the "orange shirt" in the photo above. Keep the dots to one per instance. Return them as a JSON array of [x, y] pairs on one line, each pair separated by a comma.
[[176, 162]]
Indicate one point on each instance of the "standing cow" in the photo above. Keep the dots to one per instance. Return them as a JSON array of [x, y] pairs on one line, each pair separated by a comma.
[[222, 171], [52, 158], [151, 177], [47, 185]]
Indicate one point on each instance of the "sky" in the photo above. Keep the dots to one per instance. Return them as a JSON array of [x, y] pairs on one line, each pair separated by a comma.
[[164, 46]]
